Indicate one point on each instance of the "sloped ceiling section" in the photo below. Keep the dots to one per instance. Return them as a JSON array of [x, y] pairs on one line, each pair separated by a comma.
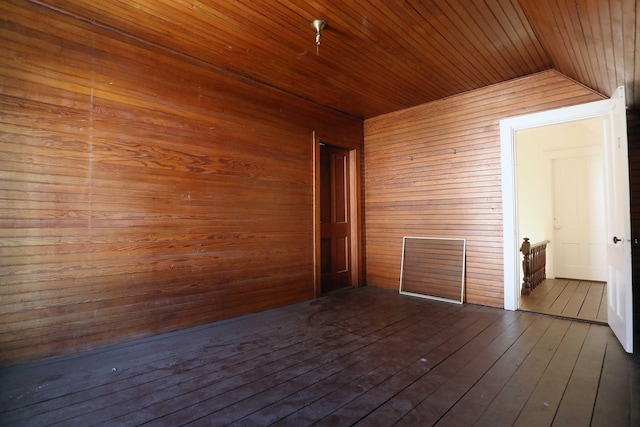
[[595, 42], [379, 56]]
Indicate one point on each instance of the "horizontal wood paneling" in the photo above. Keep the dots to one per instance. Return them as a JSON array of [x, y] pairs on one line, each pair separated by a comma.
[[434, 171], [143, 191]]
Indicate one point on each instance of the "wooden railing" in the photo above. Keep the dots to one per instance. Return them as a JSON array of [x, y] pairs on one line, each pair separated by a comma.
[[533, 265]]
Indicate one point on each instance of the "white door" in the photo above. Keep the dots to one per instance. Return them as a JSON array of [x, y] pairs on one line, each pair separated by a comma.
[[579, 217], [620, 313]]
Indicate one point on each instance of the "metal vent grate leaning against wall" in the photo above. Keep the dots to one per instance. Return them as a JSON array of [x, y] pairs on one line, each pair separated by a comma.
[[433, 268]]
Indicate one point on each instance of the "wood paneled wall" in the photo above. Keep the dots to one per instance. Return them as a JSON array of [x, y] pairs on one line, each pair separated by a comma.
[[142, 191], [434, 171]]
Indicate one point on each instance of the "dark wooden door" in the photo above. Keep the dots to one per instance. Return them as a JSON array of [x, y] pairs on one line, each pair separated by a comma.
[[334, 217]]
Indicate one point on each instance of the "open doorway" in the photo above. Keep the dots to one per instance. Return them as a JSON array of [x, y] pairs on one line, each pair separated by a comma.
[[560, 197]]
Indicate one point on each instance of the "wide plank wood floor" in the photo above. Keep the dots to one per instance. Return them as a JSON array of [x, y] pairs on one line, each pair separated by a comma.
[[366, 357], [576, 299]]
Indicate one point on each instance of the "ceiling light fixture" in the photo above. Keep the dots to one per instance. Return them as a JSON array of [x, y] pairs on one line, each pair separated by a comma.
[[318, 24]]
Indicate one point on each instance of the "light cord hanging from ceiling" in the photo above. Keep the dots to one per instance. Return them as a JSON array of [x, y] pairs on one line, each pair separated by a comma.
[[318, 24]]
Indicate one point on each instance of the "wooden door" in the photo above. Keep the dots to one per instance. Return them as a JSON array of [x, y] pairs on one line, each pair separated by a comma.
[[334, 218]]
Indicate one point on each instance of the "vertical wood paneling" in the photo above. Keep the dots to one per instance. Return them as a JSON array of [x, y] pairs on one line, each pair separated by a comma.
[[434, 171], [142, 191]]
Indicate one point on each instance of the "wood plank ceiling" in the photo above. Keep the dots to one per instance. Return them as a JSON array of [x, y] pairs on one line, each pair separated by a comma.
[[378, 56]]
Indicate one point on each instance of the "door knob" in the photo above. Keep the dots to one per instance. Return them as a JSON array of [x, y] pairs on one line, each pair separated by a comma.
[[616, 240]]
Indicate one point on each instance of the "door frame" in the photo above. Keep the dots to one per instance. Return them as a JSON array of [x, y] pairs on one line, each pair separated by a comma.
[[508, 128], [355, 248]]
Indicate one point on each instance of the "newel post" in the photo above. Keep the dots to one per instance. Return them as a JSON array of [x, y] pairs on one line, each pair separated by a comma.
[[525, 248]]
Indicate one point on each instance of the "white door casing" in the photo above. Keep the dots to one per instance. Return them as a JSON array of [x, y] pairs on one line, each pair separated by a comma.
[[612, 112]]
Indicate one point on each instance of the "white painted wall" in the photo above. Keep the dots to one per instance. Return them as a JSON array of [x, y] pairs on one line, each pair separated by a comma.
[[535, 148]]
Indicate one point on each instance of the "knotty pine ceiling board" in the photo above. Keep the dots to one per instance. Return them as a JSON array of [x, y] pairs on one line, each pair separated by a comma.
[[384, 55]]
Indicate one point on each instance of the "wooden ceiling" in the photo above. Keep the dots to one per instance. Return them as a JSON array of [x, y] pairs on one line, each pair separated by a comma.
[[378, 56]]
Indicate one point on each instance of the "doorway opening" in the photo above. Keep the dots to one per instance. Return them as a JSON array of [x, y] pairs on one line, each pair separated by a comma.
[[336, 217], [612, 115], [560, 197]]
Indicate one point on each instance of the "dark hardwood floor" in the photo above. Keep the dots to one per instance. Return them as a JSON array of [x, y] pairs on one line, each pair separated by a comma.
[[576, 299], [366, 357]]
